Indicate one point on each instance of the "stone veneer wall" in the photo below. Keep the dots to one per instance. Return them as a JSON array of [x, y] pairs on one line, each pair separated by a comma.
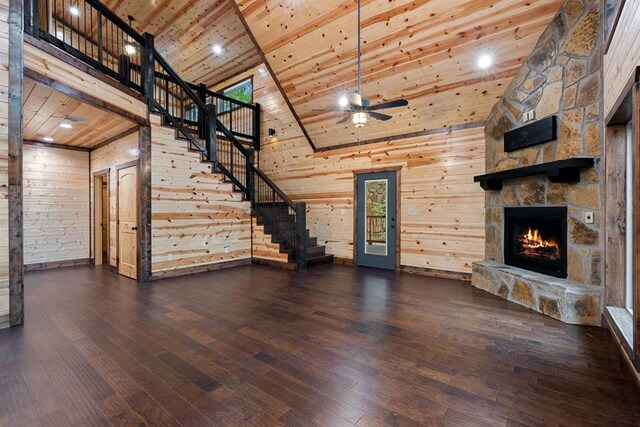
[[562, 76]]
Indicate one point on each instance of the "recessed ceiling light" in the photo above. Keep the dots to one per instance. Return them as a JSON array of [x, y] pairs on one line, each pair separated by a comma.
[[74, 11], [261, 70], [65, 125], [217, 49], [485, 61], [133, 152], [47, 139], [343, 101]]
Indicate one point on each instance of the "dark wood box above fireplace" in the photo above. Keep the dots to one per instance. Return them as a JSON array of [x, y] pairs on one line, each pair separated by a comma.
[[535, 133]]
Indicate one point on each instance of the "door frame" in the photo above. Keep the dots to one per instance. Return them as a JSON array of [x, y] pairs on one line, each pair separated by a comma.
[[118, 168], [397, 170], [104, 174]]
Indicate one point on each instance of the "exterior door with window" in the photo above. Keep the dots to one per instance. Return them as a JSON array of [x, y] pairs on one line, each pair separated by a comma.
[[376, 220]]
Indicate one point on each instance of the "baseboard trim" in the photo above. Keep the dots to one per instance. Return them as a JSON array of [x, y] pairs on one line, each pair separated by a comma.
[[432, 272], [275, 264], [621, 354], [156, 275], [57, 264]]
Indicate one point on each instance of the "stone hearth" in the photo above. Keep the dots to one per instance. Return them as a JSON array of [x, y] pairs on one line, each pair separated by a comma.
[[561, 299], [563, 77]]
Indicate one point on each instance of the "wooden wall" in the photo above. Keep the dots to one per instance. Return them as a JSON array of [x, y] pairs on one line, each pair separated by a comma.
[[623, 55], [109, 157], [4, 164], [447, 232], [38, 61], [56, 205], [198, 220]]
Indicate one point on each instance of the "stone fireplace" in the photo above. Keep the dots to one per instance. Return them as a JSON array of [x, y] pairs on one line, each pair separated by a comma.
[[535, 239], [544, 236]]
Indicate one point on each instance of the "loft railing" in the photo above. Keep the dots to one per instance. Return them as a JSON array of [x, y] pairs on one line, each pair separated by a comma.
[[217, 126], [89, 31]]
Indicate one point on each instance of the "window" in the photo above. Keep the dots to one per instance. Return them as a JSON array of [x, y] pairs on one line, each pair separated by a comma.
[[241, 91]]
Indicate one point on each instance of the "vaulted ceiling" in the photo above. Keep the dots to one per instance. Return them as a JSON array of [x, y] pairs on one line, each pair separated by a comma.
[[423, 50], [185, 32]]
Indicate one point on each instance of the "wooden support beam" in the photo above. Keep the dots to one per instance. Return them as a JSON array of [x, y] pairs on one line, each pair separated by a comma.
[[16, 238]]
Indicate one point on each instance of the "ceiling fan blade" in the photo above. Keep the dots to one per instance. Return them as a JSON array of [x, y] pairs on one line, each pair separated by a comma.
[[344, 120], [379, 116], [390, 104], [330, 110]]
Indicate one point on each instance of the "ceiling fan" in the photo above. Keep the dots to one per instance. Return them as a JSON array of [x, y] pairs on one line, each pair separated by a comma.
[[359, 108]]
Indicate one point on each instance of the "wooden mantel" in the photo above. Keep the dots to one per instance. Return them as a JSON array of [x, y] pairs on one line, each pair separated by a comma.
[[559, 171]]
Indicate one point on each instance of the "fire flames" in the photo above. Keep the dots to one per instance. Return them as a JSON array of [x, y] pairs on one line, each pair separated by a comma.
[[532, 244]]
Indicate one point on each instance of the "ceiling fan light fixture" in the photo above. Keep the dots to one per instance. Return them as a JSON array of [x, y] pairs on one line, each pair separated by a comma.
[[343, 101], [359, 119]]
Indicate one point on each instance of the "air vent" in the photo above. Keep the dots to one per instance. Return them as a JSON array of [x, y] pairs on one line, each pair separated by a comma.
[[74, 119]]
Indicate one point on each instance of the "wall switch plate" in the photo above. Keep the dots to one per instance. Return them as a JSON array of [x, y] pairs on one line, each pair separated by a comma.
[[226, 250], [588, 217], [532, 115], [413, 211], [341, 211]]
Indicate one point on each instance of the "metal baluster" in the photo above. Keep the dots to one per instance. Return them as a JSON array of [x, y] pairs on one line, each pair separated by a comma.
[[100, 35], [84, 18]]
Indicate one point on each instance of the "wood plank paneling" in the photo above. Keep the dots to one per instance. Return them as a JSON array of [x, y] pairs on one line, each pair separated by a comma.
[[623, 56], [616, 209], [185, 32], [45, 109], [4, 163], [51, 67], [442, 219], [108, 157], [56, 204], [425, 51], [197, 218]]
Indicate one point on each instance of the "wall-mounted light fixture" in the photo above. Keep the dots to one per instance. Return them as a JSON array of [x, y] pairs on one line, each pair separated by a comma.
[[272, 132]]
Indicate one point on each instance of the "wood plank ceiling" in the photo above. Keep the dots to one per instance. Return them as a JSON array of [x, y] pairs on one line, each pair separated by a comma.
[[45, 109], [424, 50], [186, 31]]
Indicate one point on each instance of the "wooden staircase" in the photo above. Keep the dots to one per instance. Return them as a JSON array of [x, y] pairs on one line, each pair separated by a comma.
[[223, 130], [316, 255]]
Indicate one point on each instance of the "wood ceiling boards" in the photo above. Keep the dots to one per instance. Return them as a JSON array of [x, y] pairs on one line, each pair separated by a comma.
[[424, 50]]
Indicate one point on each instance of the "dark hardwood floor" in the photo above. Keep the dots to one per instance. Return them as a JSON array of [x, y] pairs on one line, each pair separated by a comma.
[[336, 346]]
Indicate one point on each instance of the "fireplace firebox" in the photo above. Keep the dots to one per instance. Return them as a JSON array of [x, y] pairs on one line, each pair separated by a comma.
[[535, 238]]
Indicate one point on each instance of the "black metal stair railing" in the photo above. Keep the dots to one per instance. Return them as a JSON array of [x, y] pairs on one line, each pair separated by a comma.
[[224, 130]]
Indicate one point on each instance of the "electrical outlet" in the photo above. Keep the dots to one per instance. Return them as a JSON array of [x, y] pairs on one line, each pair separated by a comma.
[[413, 211], [341, 211], [170, 257], [447, 257], [226, 250], [588, 217]]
